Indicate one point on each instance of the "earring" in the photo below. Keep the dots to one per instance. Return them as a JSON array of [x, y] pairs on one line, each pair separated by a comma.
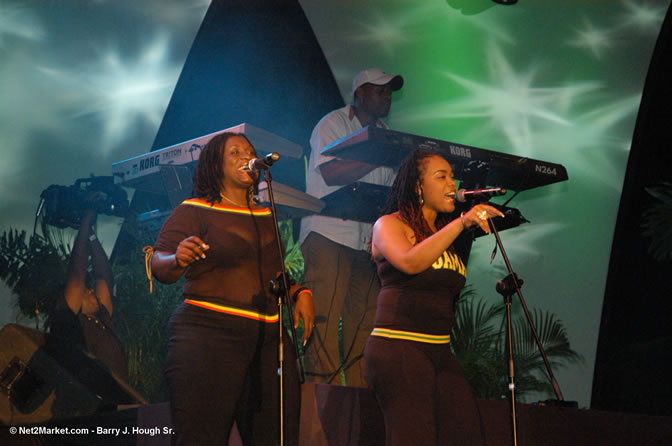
[[421, 198]]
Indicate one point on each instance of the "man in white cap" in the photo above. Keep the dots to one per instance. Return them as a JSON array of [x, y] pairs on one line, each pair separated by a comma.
[[338, 266]]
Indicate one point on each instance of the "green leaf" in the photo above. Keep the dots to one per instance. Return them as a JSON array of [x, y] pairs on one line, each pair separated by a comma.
[[657, 222], [479, 343]]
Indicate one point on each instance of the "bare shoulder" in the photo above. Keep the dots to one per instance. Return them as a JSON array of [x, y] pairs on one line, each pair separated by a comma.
[[389, 219], [390, 229], [392, 222]]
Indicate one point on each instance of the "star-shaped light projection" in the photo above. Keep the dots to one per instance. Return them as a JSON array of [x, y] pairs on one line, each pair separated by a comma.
[[592, 39], [18, 22], [121, 93], [507, 101], [646, 18], [385, 32], [596, 148], [388, 33]]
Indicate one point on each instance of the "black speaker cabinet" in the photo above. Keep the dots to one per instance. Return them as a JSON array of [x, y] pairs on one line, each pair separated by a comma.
[[41, 382]]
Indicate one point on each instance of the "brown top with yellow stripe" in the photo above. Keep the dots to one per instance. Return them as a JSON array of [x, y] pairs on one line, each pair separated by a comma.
[[242, 259]]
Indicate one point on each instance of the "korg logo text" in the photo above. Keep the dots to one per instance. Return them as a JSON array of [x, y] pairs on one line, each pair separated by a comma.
[[149, 162]]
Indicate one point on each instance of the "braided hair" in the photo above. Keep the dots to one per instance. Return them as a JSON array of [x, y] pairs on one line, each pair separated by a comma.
[[207, 180], [405, 199]]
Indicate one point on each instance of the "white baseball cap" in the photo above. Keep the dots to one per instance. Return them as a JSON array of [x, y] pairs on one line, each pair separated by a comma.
[[376, 76]]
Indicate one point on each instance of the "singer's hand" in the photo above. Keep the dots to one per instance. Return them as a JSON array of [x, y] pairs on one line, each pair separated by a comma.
[[190, 250], [305, 309], [480, 215]]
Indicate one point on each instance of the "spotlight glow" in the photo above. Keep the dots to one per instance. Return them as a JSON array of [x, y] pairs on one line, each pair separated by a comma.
[[122, 93], [592, 39]]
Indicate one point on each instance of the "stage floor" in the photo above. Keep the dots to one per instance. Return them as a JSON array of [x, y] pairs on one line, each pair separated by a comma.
[[346, 416]]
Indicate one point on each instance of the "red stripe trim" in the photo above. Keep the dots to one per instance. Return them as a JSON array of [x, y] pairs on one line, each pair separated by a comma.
[[224, 208], [233, 311]]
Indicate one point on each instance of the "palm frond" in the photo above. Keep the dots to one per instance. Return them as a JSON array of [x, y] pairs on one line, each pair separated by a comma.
[[474, 331], [293, 256], [479, 343], [657, 222], [34, 269]]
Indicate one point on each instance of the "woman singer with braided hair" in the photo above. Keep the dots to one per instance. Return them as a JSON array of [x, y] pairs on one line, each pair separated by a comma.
[[419, 384], [223, 351]]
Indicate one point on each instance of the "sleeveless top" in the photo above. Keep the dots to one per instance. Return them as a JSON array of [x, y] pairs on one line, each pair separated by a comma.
[[419, 307], [243, 257], [94, 333]]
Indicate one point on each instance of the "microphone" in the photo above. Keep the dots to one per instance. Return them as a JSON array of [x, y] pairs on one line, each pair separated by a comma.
[[463, 195], [257, 164]]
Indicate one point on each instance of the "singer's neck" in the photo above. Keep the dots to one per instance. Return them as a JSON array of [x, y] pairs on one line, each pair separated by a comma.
[[235, 196], [430, 217]]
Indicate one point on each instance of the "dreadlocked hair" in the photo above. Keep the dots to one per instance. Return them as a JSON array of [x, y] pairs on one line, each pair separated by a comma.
[[404, 196], [207, 180]]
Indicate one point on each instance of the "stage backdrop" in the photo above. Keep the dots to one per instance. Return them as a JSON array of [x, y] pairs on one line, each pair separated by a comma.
[[560, 82], [85, 85]]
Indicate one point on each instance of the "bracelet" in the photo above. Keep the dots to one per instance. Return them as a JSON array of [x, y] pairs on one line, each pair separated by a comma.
[[149, 253], [92, 237], [303, 289], [462, 220]]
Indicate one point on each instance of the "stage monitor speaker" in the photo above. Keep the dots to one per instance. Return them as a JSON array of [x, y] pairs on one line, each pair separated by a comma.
[[36, 386]]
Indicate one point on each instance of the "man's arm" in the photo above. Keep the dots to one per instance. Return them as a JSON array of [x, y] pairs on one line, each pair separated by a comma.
[[334, 171], [339, 172]]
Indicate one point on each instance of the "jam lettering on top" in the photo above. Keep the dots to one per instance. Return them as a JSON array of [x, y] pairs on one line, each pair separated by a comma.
[[450, 260]]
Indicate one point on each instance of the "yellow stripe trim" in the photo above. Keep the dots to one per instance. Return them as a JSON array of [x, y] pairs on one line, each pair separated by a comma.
[[411, 336], [222, 208], [234, 311]]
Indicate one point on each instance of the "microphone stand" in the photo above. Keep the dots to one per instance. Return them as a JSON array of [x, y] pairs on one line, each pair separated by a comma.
[[281, 290], [507, 287]]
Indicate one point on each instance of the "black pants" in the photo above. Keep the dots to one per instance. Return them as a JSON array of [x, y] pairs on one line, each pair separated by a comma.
[[223, 368], [422, 391]]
